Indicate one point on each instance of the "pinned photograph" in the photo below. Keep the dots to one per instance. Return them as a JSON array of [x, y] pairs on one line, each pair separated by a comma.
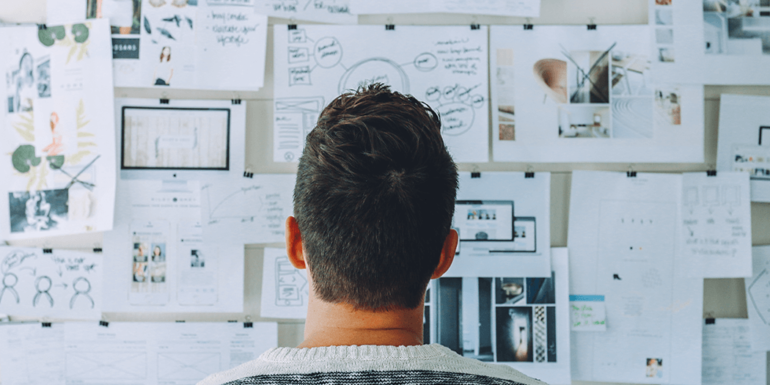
[[654, 368], [664, 17], [541, 290], [668, 107], [196, 259], [38, 210], [584, 121], [588, 72], [509, 291], [514, 334], [736, 27], [465, 316]]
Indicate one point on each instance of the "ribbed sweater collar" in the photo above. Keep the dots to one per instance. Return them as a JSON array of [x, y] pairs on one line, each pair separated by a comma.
[[357, 353]]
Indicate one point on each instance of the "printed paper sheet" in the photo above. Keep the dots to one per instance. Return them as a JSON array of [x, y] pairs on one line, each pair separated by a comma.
[[711, 41], [206, 44], [157, 259], [247, 210], [325, 11], [569, 94], [58, 149], [744, 140], [50, 283], [758, 299], [624, 244], [121, 352], [285, 289], [727, 354], [444, 66], [503, 220], [522, 322]]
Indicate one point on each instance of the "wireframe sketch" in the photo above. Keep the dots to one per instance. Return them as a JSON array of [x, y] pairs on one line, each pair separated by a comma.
[[106, 366], [294, 119], [188, 366], [443, 67], [178, 138], [736, 27], [290, 286]]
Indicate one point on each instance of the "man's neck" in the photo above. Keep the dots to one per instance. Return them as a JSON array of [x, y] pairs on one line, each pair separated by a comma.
[[331, 324]]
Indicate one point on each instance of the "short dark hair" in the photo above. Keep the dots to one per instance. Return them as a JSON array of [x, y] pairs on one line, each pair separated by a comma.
[[374, 199]]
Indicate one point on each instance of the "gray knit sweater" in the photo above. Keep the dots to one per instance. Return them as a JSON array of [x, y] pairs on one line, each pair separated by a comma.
[[427, 364]]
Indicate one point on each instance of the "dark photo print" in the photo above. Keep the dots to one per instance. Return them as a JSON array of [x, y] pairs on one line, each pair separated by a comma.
[[514, 334], [540, 290], [509, 291], [38, 210], [464, 316]]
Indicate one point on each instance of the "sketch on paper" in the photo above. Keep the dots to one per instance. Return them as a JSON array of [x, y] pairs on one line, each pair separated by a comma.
[[105, 366], [187, 366], [251, 210], [36, 282], [444, 67], [285, 289], [290, 286], [757, 292]]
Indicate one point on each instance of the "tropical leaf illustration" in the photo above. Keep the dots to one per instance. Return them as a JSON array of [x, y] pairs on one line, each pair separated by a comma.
[[83, 52], [25, 127], [75, 159], [86, 144], [80, 113]]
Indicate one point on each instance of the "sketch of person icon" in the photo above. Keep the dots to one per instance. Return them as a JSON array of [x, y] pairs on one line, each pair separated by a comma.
[[82, 288], [9, 281], [43, 285]]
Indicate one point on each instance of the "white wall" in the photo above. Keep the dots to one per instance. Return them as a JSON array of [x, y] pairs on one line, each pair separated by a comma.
[[722, 297]]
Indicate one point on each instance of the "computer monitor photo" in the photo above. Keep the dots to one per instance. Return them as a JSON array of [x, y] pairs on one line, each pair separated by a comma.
[[174, 143]]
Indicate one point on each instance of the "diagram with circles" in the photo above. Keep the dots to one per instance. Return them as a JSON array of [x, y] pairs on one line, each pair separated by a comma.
[[51, 283], [445, 67]]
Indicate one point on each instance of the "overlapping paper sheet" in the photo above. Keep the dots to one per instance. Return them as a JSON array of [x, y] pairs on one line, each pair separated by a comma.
[[56, 130], [624, 243], [758, 299], [711, 41], [206, 44], [50, 283], [744, 140], [569, 94], [503, 221], [506, 318], [128, 352], [285, 289], [325, 11], [444, 66], [247, 210], [157, 259], [727, 354], [524, 8]]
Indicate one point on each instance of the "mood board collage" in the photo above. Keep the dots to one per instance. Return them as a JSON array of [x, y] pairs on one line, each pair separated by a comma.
[[166, 184]]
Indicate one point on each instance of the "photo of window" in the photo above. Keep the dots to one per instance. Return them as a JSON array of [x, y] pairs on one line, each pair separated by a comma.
[[736, 27]]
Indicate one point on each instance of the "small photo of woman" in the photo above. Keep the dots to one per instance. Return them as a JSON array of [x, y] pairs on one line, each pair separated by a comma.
[[164, 71]]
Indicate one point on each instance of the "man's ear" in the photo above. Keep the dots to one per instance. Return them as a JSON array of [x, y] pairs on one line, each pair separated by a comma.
[[294, 244], [447, 254]]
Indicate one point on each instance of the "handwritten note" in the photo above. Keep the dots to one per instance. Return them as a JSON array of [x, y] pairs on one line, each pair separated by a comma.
[[587, 313], [230, 29], [325, 11], [716, 224], [50, 283]]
